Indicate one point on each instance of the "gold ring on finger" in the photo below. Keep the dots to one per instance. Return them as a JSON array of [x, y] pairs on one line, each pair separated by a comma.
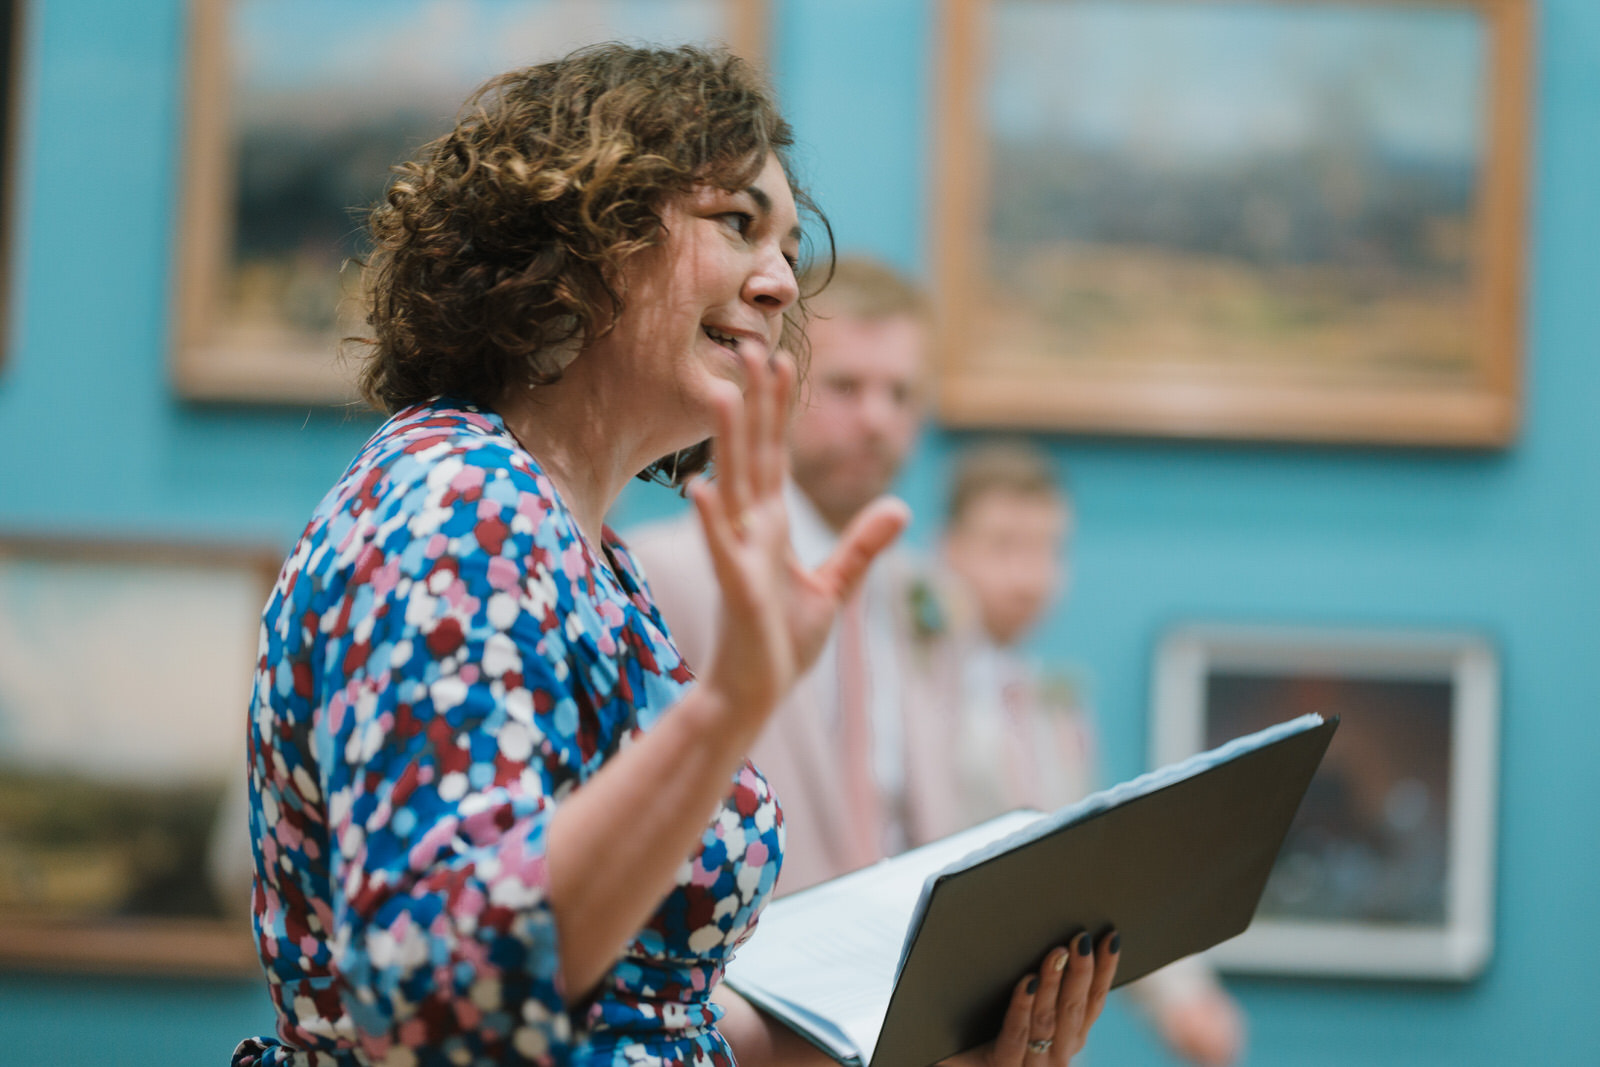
[[1041, 1046]]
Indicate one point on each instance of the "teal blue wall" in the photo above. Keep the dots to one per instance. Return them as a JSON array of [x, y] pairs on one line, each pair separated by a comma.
[[1507, 542]]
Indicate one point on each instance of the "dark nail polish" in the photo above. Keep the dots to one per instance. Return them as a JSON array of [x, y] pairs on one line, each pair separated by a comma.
[[1084, 945], [1116, 943], [1033, 983]]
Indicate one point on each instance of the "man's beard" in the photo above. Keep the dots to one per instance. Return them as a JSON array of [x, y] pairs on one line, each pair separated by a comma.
[[840, 484]]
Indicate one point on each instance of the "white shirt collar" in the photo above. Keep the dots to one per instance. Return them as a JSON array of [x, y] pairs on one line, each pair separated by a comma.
[[813, 539]]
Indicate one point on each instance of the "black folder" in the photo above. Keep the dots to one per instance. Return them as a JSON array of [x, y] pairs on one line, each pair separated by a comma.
[[1175, 861]]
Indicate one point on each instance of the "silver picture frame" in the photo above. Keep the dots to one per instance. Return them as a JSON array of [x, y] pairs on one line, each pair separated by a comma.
[[1388, 870]]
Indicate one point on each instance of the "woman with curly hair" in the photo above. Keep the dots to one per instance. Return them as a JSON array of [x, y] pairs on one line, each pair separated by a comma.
[[496, 818]]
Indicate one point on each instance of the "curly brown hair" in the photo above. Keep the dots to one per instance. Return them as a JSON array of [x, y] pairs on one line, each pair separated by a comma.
[[497, 249]]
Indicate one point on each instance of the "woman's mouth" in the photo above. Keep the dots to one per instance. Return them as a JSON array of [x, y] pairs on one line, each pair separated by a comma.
[[726, 340]]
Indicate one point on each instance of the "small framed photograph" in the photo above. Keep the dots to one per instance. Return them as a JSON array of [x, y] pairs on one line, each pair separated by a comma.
[[1247, 219], [1388, 869], [297, 110], [125, 675]]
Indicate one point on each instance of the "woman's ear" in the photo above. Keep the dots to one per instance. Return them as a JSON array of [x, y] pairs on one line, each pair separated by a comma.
[[548, 362]]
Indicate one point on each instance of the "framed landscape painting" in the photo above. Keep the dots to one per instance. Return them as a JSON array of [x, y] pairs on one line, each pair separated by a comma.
[[1249, 219], [124, 682], [297, 109], [1388, 868]]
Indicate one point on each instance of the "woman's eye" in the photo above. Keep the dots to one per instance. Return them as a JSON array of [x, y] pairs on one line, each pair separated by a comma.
[[740, 221]]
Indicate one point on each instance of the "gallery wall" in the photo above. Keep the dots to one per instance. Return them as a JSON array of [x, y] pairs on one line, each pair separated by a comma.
[[1505, 543]]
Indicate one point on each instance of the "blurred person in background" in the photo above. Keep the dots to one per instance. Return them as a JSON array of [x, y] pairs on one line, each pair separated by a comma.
[[496, 818], [1025, 738]]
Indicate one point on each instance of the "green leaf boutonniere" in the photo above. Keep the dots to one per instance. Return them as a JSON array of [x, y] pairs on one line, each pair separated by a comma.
[[927, 611]]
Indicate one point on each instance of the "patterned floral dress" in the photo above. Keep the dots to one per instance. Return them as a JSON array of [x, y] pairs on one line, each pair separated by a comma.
[[443, 660]]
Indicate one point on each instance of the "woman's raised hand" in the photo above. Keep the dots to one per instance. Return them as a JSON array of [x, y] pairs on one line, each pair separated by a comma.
[[1051, 1012], [775, 614]]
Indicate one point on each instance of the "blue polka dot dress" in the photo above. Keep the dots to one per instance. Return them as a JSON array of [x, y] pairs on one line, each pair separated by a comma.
[[442, 662]]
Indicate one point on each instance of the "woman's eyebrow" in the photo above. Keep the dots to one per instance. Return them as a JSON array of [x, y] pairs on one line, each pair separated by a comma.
[[764, 205]]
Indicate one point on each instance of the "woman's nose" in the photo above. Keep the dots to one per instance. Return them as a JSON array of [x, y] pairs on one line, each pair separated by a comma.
[[773, 286]]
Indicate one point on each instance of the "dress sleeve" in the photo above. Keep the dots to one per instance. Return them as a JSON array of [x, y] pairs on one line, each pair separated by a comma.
[[447, 746]]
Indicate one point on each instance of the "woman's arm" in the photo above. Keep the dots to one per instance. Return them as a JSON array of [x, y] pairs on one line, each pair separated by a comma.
[[615, 844]]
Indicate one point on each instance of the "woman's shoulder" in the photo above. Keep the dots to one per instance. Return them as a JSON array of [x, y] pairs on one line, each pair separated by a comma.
[[442, 427], [441, 452], [442, 468]]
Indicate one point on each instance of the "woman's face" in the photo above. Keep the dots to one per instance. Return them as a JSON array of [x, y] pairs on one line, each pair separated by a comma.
[[713, 292]]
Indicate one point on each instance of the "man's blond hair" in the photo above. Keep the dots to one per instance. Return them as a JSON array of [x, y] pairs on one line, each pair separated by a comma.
[[865, 288]]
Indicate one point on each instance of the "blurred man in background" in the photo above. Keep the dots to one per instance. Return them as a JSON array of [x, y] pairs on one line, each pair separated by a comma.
[[1025, 739]]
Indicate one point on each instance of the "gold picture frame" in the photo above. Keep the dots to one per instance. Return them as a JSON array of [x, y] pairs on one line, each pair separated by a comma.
[[1294, 220], [125, 674], [291, 127]]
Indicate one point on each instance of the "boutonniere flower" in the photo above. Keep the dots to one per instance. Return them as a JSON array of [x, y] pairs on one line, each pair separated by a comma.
[[1061, 690], [927, 611]]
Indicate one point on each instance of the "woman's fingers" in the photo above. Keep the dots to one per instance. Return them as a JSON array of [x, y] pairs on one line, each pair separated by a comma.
[[757, 399], [1090, 972], [718, 526], [1011, 1045], [1072, 1009], [1048, 1020], [730, 454], [872, 530], [750, 437], [1107, 953], [1046, 1006], [771, 462]]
